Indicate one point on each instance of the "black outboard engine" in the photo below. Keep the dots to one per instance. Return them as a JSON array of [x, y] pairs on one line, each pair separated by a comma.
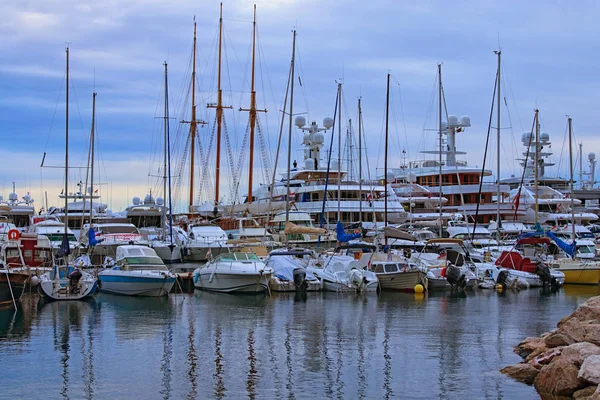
[[502, 277], [300, 279], [455, 278], [543, 272], [74, 278]]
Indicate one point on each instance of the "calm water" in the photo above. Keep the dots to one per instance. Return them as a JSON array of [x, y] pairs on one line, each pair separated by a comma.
[[207, 345]]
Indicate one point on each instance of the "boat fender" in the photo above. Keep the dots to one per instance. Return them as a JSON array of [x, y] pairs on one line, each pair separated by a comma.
[[212, 276]]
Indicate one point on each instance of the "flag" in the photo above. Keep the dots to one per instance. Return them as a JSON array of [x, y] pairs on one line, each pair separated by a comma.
[[64, 249]]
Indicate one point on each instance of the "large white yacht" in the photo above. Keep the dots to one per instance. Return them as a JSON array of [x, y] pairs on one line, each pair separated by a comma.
[[324, 190], [19, 210]]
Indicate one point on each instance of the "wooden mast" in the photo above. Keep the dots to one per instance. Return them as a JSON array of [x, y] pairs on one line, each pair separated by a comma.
[[385, 162], [219, 107], [252, 110]]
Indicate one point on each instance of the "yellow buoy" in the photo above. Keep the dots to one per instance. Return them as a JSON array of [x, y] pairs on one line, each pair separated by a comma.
[[419, 296], [419, 288], [499, 287]]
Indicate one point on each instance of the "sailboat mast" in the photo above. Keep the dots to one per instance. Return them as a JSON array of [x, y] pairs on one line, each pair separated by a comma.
[[571, 183], [498, 52], [92, 158], [168, 155], [359, 161], [537, 158], [192, 122], [385, 159], [219, 109], [252, 110], [339, 174], [165, 122], [67, 146], [440, 129], [289, 160]]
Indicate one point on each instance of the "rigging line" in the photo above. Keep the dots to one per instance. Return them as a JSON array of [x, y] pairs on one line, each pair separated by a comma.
[[78, 113], [62, 84], [337, 99], [403, 117], [525, 167], [428, 113], [301, 73], [365, 148], [487, 141]]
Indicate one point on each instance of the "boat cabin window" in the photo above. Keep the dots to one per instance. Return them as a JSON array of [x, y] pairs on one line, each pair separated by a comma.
[[142, 260], [391, 268], [378, 269], [239, 257], [58, 237], [586, 249]]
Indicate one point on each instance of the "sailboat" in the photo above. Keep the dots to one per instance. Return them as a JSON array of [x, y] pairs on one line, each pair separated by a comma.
[[66, 282]]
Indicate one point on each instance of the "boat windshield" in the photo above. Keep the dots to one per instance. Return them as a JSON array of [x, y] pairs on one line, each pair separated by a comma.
[[118, 229], [238, 257], [142, 260], [58, 237], [586, 249]]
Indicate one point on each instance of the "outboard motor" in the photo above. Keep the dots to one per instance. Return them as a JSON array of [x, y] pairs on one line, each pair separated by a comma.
[[455, 278], [502, 277], [543, 272], [74, 278], [300, 279]]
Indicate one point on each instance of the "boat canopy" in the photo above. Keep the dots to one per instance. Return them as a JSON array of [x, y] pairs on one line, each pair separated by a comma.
[[291, 228], [284, 267], [342, 236], [137, 255], [396, 233]]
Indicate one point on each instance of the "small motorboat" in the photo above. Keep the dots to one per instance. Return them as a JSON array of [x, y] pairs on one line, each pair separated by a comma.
[[238, 272], [138, 271], [289, 275], [511, 266], [344, 274]]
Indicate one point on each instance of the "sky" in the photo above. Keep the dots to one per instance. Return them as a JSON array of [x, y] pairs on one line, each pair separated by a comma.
[[117, 49]]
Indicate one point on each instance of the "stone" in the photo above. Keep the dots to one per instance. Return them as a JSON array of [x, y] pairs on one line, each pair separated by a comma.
[[592, 333], [590, 370], [575, 329], [546, 357], [558, 378], [578, 352], [530, 345], [522, 372], [590, 310], [585, 393], [558, 338]]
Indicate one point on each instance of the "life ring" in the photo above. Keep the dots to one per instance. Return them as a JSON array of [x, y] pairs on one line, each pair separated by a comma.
[[13, 234]]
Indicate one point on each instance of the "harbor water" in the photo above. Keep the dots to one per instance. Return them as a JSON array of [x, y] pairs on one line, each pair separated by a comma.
[[324, 345]]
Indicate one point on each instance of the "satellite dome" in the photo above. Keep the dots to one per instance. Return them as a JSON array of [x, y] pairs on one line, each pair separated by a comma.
[[319, 138], [452, 120], [444, 125], [327, 122], [300, 121], [591, 157], [526, 137], [309, 164], [465, 121], [544, 137], [27, 198], [148, 199], [136, 201], [306, 139], [13, 197], [160, 201]]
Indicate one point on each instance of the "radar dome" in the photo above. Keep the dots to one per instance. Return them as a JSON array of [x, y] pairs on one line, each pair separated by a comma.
[[13, 197], [300, 121], [136, 201], [160, 201], [411, 177], [309, 164], [148, 199], [591, 157], [526, 137], [465, 121], [544, 137], [319, 138], [327, 122], [444, 125], [306, 139], [452, 120], [27, 198], [1, 198]]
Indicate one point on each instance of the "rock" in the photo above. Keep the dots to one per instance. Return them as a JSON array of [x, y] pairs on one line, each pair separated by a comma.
[[530, 345], [584, 394], [522, 372], [546, 357], [590, 310], [558, 338], [578, 352], [558, 378], [590, 369], [592, 333]]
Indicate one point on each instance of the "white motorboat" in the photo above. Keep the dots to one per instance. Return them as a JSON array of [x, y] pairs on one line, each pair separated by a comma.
[[139, 271], [109, 236], [205, 241], [66, 282], [343, 274], [234, 273], [289, 274]]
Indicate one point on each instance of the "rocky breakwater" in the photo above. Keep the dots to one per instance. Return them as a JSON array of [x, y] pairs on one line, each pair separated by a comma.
[[564, 362]]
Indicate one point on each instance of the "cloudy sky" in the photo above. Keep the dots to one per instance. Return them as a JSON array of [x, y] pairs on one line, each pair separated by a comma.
[[118, 49]]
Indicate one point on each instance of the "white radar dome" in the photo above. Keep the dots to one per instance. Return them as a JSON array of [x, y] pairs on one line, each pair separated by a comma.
[[544, 137], [452, 120], [309, 164], [136, 201], [148, 199], [591, 157], [327, 122], [319, 138], [13, 197], [306, 138], [300, 121], [526, 137], [27, 198], [160, 201], [465, 121]]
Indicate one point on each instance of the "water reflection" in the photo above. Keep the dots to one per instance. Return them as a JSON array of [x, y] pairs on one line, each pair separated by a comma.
[[192, 358], [252, 373]]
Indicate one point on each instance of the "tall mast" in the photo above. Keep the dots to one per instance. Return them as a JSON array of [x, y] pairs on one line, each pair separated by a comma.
[[498, 52], [287, 197], [67, 148], [571, 182], [385, 159], [168, 159], [339, 174], [537, 158], [440, 129], [359, 161], [193, 124], [252, 110], [92, 161], [165, 122], [581, 166], [219, 107]]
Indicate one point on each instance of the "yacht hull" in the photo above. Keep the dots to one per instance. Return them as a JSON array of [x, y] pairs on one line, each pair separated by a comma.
[[61, 290], [402, 281], [136, 285], [219, 281]]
